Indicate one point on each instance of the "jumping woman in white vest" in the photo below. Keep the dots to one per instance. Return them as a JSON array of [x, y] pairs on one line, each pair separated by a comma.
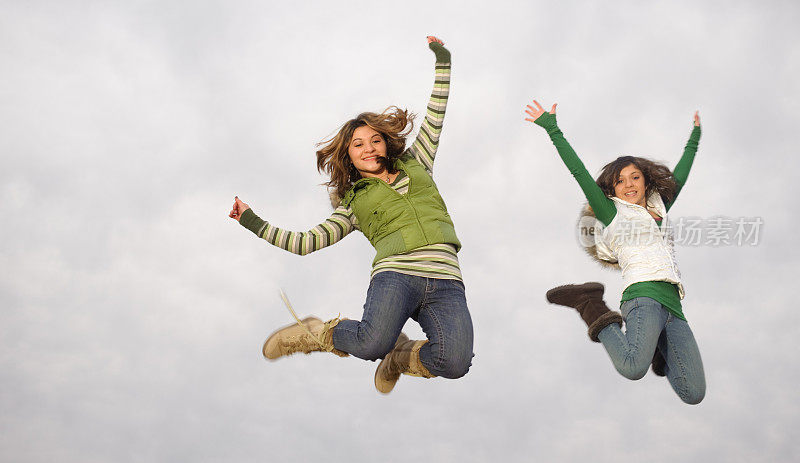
[[630, 199], [387, 192]]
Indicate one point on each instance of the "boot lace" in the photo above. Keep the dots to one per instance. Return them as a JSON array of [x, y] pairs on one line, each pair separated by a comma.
[[295, 342]]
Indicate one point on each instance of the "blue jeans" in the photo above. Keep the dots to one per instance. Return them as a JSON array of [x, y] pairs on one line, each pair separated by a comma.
[[439, 306], [649, 326]]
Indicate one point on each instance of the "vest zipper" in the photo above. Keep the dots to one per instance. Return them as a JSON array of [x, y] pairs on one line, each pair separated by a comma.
[[405, 198]]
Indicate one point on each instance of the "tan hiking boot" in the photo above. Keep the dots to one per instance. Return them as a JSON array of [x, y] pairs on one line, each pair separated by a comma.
[[310, 335], [403, 359]]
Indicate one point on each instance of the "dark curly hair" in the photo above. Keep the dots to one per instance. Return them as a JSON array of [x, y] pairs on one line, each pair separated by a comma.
[[657, 177], [394, 125]]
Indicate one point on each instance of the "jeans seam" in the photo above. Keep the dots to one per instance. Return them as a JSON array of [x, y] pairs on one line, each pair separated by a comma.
[[634, 349], [440, 333], [684, 389], [638, 339]]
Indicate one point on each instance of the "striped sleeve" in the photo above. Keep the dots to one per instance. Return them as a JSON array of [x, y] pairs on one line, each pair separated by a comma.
[[336, 227], [424, 147]]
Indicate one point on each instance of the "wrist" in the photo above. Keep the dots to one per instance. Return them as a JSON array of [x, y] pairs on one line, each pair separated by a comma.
[[250, 221], [442, 54], [547, 121]]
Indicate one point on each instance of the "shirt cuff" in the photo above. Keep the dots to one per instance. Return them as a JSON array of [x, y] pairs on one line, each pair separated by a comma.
[[442, 54], [251, 221]]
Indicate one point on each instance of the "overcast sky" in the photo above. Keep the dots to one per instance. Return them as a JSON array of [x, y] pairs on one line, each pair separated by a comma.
[[132, 309]]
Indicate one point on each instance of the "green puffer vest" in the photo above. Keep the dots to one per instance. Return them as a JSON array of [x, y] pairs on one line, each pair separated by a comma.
[[395, 223]]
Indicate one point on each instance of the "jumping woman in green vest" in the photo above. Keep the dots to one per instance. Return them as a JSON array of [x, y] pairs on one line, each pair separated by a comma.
[[387, 192]]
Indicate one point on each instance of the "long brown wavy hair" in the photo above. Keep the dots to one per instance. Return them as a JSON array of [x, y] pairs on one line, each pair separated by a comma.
[[394, 125], [657, 177]]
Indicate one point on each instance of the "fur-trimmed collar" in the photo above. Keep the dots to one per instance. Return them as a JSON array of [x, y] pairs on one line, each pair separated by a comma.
[[336, 200], [587, 228]]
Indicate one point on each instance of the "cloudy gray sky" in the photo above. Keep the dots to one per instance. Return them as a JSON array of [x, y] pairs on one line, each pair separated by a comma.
[[132, 310]]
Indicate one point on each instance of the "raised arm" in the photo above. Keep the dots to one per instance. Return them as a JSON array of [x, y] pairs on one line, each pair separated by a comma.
[[427, 141], [336, 227], [603, 207], [681, 172]]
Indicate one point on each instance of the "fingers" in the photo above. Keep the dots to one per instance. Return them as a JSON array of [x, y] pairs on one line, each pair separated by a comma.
[[239, 207], [697, 118], [534, 111], [234, 213], [537, 112], [434, 39]]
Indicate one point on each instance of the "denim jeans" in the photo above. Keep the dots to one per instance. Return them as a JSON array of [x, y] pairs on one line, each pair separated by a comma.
[[438, 305], [649, 326]]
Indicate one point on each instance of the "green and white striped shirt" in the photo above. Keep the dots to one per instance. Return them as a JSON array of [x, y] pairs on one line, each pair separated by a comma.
[[433, 261]]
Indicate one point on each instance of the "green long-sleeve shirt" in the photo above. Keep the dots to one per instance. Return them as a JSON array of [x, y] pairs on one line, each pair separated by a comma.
[[664, 292]]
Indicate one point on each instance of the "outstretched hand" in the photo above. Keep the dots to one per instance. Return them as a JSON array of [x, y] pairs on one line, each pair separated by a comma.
[[536, 112], [238, 208], [432, 39], [697, 118]]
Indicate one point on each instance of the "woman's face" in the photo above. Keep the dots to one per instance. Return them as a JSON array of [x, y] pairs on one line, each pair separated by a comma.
[[630, 185], [365, 149]]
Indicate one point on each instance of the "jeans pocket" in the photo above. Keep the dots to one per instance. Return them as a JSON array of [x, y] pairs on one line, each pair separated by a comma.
[[628, 306]]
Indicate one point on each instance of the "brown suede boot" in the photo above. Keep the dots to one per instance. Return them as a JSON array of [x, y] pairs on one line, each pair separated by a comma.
[[659, 364], [403, 359], [310, 335], [588, 300]]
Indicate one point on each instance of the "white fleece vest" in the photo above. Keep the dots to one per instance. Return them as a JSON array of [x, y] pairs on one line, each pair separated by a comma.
[[645, 251]]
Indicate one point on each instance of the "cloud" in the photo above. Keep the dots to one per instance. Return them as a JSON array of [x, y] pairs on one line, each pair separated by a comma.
[[133, 309]]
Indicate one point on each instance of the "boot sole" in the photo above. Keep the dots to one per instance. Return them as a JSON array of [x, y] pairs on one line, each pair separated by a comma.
[[554, 294], [659, 364], [385, 387]]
